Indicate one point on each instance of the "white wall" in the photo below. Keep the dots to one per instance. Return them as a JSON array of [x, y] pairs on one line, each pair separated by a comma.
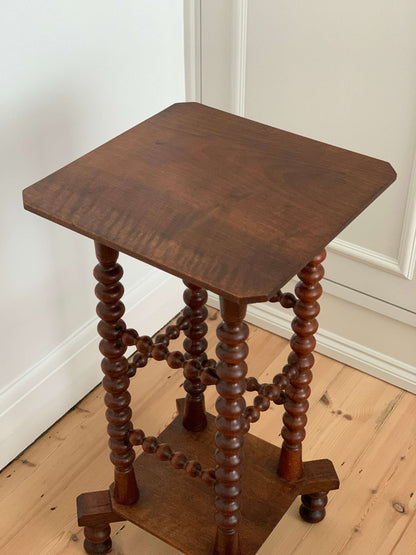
[[74, 75]]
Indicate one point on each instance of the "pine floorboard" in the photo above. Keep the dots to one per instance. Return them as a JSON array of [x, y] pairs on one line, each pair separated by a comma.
[[366, 426]]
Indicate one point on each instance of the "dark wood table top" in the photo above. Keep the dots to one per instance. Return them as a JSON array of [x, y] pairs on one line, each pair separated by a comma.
[[235, 206]]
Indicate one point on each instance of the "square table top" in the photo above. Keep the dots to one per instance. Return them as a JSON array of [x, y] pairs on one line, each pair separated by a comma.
[[234, 206]]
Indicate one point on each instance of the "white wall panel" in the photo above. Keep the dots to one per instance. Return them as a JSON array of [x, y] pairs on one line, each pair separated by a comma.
[[343, 73]]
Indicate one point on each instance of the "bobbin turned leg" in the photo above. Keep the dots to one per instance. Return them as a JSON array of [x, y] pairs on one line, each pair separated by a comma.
[[195, 344], [231, 351], [313, 506], [298, 370], [110, 309]]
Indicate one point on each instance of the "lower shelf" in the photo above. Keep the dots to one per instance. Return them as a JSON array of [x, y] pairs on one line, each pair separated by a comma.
[[180, 510]]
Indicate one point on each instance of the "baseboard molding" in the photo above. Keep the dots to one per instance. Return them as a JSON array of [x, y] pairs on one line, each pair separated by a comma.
[[271, 318], [47, 390]]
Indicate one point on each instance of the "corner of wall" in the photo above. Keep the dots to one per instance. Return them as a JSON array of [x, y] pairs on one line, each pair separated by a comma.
[[56, 383]]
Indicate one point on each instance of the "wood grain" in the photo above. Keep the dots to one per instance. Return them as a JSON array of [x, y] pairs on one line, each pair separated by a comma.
[[265, 497], [234, 206]]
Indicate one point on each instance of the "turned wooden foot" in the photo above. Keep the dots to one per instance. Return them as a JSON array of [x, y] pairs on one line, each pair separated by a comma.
[[97, 539], [313, 505], [95, 512]]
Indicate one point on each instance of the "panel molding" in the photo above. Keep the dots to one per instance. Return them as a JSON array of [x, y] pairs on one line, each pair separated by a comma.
[[363, 300], [239, 56], [351, 353], [404, 264], [51, 387], [192, 42], [371, 303], [367, 256], [407, 249]]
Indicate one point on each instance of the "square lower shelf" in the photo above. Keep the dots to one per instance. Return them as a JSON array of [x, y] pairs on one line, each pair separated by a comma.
[[179, 509]]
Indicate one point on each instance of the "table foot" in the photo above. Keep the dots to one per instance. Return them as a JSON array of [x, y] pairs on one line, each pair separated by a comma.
[[97, 539], [313, 505], [95, 512]]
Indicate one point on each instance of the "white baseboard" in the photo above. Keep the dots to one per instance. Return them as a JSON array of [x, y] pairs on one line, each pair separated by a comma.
[[47, 390], [271, 318]]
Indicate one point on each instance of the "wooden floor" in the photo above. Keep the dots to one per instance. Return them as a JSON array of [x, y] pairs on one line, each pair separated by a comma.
[[367, 427]]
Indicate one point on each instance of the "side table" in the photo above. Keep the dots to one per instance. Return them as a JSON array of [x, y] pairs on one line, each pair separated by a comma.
[[238, 208]]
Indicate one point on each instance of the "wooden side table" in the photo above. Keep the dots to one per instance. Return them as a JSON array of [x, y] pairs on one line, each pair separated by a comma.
[[237, 208]]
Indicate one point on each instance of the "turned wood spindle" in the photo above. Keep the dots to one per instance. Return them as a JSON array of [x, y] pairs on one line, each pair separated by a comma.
[[305, 325], [110, 309], [287, 300], [178, 460], [195, 344], [232, 351], [267, 393], [209, 372]]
